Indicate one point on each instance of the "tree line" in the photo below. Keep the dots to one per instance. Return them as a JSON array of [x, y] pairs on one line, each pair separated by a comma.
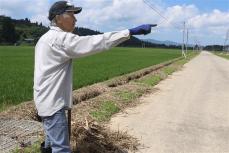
[[7, 32], [13, 31]]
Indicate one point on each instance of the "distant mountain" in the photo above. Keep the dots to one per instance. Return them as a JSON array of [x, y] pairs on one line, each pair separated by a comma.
[[85, 31], [167, 42]]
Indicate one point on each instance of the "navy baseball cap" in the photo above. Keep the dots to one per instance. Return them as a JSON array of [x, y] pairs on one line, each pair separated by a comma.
[[61, 7]]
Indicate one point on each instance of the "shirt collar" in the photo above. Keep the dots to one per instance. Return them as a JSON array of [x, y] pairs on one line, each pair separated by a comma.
[[56, 28]]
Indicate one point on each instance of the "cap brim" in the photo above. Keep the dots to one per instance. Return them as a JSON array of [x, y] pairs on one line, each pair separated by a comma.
[[76, 10]]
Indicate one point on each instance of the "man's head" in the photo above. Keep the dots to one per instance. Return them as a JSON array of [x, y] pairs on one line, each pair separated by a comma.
[[62, 13]]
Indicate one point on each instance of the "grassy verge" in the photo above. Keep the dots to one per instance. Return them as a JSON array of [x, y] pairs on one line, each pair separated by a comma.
[[128, 96], [151, 80], [169, 70], [105, 111], [222, 54], [35, 148]]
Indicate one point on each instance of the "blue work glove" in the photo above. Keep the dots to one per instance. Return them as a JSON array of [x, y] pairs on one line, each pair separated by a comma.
[[143, 29]]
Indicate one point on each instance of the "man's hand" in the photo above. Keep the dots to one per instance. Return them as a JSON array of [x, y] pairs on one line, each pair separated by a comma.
[[143, 29]]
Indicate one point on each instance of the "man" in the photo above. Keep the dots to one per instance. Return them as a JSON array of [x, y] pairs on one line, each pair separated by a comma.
[[53, 69]]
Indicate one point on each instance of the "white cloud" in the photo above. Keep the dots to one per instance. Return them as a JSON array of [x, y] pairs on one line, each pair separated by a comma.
[[41, 18], [40, 12], [213, 19], [117, 13], [4, 12], [20, 9], [177, 14], [107, 15], [88, 4], [212, 25]]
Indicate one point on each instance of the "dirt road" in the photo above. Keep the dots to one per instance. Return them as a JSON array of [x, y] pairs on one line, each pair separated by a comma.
[[189, 113]]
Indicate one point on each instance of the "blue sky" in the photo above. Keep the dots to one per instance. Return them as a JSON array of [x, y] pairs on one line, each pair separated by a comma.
[[205, 5], [207, 20]]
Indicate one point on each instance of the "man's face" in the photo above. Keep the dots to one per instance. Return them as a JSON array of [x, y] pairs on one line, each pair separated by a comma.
[[66, 21]]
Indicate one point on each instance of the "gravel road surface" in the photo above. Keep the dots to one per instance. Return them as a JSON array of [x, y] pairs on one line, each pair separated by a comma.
[[189, 113]]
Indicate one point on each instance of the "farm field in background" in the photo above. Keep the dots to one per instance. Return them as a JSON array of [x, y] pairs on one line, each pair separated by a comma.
[[222, 54], [17, 66]]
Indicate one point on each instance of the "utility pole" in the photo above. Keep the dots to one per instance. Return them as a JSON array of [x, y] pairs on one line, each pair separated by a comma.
[[225, 42], [187, 42], [143, 44], [183, 52], [227, 37]]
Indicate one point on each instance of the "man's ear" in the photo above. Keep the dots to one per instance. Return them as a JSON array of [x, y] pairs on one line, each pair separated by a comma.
[[58, 18]]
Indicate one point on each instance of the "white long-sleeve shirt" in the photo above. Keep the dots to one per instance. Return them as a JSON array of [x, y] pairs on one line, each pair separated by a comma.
[[53, 65]]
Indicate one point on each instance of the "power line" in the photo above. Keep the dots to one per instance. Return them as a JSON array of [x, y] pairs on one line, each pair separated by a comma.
[[159, 13], [153, 7]]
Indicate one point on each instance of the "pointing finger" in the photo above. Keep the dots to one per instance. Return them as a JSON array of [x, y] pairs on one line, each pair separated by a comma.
[[153, 25]]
